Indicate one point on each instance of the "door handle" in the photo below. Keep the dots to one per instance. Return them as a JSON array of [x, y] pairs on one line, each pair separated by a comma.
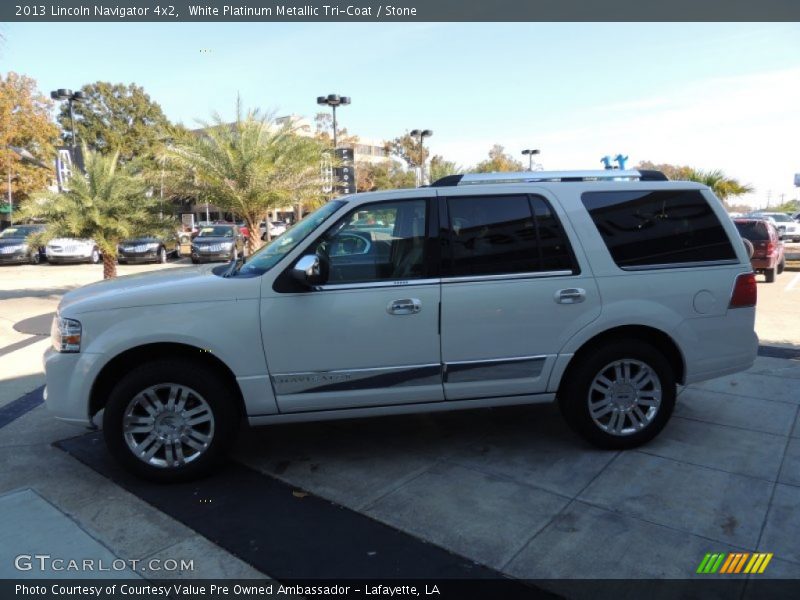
[[406, 306], [570, 296]]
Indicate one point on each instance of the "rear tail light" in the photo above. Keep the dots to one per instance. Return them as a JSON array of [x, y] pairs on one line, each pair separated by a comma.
[[745, 291], [770, 248]]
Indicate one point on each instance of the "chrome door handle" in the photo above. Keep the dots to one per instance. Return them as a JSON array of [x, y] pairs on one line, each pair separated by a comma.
[[406, 306], [570, 296]]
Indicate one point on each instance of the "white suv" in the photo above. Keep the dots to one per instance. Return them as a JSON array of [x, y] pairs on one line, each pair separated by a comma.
[[598, 290]]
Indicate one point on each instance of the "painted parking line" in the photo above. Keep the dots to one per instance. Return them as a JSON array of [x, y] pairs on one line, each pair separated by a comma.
[[22, 405], [793, 283]]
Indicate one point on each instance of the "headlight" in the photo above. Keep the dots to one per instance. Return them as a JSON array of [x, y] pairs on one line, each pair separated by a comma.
[[66, 334], [153, 246], [227, 245]]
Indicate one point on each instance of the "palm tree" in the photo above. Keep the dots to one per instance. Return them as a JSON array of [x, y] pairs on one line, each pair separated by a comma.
[[723, 187], [108, 204], [251, 166]]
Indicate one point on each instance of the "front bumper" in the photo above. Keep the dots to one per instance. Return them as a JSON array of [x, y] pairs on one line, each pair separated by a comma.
[[14, 259], [68, 258], [69, 377], [223, 256], [143, 257]]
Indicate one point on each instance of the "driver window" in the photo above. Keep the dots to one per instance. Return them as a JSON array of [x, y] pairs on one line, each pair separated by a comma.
[[376, 242]]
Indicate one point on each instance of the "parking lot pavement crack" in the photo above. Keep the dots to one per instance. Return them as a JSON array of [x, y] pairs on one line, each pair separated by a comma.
[[717, 469], [572, 501], [389, 490], [775, 481]]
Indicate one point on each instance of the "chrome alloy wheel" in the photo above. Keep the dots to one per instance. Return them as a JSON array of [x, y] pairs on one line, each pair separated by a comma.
[[624, 397], [168, 425]]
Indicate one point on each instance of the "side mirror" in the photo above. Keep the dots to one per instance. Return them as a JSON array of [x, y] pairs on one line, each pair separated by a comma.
[[308, 270]]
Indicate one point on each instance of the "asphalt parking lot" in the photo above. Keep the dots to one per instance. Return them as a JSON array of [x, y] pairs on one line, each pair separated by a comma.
[[509, 489]]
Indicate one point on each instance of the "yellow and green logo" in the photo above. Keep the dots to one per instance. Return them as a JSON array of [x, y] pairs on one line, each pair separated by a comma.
[[734, 562]]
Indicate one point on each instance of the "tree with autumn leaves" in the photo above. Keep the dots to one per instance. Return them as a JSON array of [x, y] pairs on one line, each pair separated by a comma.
[[27, 140]]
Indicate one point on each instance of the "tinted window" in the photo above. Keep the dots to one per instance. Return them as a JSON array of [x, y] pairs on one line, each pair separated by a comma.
[[502, 235], [216, 231], [755, 231], [377, 242], [644, 228]]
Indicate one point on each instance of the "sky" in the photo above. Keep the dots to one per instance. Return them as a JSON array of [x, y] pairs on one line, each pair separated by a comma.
[[708, 95]]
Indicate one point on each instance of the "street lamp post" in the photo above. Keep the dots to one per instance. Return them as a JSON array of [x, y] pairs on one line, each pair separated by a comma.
[[421, 134], [333, 100], [530, 154], [70, 97]]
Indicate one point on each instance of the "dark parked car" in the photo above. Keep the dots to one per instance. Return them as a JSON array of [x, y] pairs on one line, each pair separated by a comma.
[[217, 243], [768, 257], [14, 247], [147, 249]]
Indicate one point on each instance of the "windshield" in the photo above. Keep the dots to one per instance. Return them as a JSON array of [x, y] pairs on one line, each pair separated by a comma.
[[780, 217], [270, 254], [17, 232], [216, 231]]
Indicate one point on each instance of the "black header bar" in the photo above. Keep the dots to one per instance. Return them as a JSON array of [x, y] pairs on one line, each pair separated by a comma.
[[172, 11]]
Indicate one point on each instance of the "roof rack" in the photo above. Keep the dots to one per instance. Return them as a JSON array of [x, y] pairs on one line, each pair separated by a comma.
[[557, 176]]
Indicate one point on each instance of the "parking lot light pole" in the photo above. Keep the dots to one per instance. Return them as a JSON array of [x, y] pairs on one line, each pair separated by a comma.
[[530, 154], [70, 97], [421, 134], [333, 100]]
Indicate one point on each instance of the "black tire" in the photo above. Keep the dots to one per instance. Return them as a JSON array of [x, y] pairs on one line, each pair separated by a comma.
[[781, 266], [195, 261], [769, 275], [95, 257], [35, 258], [217, 395], [235, 253], [576, 387], [162, 255]]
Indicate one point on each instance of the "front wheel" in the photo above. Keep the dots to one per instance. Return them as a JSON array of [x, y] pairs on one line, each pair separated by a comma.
[[162, 256], [95, 257], [35, 258], [170, 421], [619, 396]]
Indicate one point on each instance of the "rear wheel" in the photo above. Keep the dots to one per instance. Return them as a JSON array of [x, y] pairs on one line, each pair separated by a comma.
[[170, 421], [769, 275], [619, 396], [36, 258], [781, 266]]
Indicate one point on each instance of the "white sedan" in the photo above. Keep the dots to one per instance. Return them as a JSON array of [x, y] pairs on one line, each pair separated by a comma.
[[64, 250]]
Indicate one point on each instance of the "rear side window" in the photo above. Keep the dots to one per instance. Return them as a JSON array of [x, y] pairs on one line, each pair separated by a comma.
[[755, 231], [665, 227], [497, 235]]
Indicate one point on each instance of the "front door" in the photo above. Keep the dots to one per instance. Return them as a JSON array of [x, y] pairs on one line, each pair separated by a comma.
[[512, 293], [369, 335]]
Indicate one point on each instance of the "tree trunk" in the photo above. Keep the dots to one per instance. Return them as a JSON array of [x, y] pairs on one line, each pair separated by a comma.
[[254, 241], [109, 266]]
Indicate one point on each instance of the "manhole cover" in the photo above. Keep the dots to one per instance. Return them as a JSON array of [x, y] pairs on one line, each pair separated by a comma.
[[38, 325]]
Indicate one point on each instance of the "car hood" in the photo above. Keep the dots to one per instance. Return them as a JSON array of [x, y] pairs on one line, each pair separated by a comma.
[[69, 242], [141, 240], [212, 240], [182, 285]]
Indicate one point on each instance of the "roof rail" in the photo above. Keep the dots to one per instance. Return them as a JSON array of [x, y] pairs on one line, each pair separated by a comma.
[[558, 176]]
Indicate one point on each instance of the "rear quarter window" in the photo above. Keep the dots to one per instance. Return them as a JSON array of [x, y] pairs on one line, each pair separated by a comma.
[[658, 228]]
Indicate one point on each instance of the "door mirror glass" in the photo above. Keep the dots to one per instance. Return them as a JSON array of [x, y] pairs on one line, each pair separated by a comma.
[[308, 270]]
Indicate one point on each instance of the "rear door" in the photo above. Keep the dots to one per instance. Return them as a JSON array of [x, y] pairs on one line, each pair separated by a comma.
[[513, 291]]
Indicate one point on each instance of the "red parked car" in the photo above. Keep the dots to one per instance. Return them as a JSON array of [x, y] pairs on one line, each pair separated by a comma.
[[768, 257]]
